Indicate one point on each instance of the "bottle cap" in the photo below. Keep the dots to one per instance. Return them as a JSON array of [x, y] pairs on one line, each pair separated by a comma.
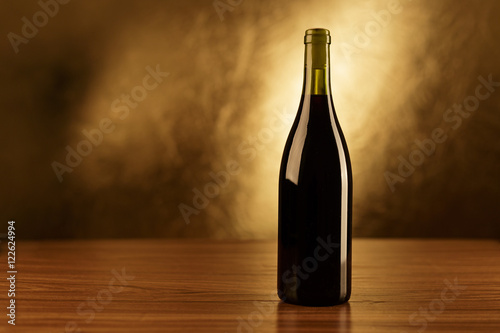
[[316, 36]]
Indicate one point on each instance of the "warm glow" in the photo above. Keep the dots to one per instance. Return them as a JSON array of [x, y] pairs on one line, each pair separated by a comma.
[[231, 94]]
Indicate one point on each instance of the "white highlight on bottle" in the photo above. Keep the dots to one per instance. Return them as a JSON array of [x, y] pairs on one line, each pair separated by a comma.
[[344, 205], [295, 155]]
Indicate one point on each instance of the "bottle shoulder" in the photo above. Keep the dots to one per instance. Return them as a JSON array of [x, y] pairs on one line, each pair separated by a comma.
[[315, 144]]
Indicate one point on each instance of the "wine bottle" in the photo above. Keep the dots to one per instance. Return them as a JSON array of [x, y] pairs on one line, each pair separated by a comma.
[[315, 192]]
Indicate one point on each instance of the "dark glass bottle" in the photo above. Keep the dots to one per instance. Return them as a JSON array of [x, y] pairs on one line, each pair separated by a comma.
[[315, 192]]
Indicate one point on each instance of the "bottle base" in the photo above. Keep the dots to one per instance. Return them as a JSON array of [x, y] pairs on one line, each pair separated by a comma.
[[312, 302]]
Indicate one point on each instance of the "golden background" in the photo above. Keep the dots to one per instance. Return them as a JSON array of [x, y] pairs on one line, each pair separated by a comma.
[[231, 73]]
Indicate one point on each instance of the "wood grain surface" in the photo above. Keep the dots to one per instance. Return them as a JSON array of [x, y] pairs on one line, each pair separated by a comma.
[[222, 286]]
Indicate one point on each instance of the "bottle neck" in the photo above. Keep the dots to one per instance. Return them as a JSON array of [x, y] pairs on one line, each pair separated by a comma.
[[317, 69]]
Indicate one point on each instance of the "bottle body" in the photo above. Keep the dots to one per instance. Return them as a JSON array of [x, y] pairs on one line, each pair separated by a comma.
[[315, 199]]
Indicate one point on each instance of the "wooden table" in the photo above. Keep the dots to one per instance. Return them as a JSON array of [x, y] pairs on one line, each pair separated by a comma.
[[229, 286]]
